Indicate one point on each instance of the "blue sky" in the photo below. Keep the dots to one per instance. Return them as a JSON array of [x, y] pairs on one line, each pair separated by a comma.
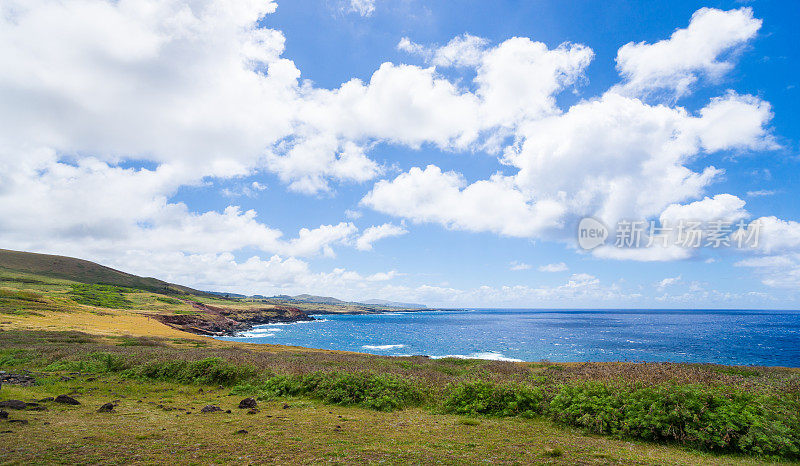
[[414, 151]]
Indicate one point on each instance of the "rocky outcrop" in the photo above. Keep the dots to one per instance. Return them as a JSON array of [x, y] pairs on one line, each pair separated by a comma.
[[219, 321]]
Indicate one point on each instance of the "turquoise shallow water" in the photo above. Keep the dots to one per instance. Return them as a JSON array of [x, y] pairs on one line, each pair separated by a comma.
[[726, 337]]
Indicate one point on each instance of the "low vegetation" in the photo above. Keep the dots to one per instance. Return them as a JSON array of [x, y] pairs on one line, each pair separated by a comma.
[[100, 295], [663, 403]]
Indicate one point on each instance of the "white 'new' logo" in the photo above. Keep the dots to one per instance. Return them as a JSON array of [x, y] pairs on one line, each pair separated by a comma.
[[591, 233]]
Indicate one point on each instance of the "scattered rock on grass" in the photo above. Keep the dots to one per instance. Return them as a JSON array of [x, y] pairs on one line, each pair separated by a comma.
[[106, 408], [13, 404], [67, 400], [241, 431], [3, 414], [17, 379], [253, 411], [210, 409], [248, 403]]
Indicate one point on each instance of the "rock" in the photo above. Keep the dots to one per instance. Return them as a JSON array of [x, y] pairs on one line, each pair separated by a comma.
[[46, 399], [17, 379], [253, 411], [248, 403], [19, 421], [66, 379], [106, 408], [67, 400], [241, 431], [3, 414], [286, 406], [227, 411], [210, 409], [13, 404]]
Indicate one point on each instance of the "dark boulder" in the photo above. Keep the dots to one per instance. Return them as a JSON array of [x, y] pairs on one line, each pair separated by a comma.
[[67, 400], [248, 403], [210, 409], [13, 404], [106, 408]]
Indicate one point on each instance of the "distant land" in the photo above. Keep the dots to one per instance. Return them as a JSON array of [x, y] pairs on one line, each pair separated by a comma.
[[65, 280], [382, 302]]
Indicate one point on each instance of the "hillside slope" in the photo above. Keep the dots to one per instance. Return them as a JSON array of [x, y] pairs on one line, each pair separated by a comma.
[[84, 271]]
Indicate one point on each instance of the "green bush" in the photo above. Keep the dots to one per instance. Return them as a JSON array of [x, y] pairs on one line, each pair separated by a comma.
[[94, 363], [209, 371], [164, 299], [100, 295], [15, 357], [21, 295], [379, 392], [705, 417], [486, 398]]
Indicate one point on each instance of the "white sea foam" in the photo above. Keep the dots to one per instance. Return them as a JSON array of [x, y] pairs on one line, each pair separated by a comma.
[[254, 334], [489, 355], [383, 347], [299, 322]]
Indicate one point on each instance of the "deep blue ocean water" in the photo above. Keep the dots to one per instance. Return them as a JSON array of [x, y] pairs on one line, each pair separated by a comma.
[[770, 338]]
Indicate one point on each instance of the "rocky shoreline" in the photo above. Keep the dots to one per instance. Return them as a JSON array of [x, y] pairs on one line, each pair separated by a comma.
[[218, 321]]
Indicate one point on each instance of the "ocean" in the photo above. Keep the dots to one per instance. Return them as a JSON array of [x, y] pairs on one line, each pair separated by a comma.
[[767, 338]]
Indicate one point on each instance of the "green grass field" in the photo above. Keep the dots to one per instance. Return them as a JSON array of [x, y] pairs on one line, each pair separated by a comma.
[[156, 420]]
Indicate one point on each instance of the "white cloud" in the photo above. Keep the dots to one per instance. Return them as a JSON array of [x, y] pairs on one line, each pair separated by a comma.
[[375, 233], [557, 267], [760, 193], [465, 50], [700, 50], [518, 266], [431, 195], [590, 160], [362, 7], [198, 90], [669, 281]]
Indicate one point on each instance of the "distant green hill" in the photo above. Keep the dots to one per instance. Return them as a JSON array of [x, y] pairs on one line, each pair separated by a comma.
[[84, 271]]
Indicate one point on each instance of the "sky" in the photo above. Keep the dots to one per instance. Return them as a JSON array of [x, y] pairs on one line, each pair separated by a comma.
[[437, 152]]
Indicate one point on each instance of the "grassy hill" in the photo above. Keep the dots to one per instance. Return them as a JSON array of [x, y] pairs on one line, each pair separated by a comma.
[[83, 271]]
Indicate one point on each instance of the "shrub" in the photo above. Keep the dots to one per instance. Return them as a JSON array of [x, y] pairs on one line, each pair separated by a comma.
[[98, 362], [100, 295], [21, 295], [379, 392], [164, 299], [706, 417], [15, 357], [209, 371], [486, 398]]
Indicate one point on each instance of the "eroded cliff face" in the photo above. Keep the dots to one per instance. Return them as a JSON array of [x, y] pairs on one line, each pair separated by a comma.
[[219, 321]]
